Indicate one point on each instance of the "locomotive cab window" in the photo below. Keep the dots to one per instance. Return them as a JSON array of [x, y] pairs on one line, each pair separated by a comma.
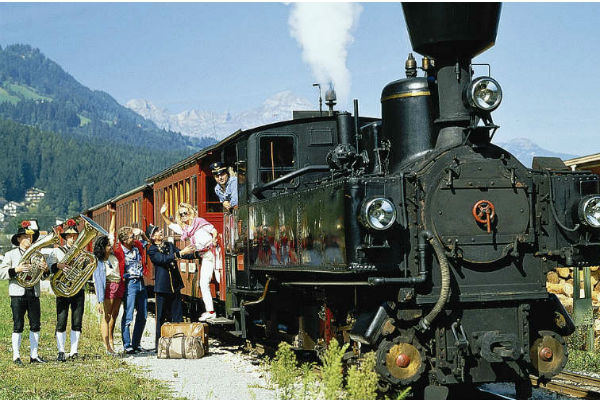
[[277, 157]]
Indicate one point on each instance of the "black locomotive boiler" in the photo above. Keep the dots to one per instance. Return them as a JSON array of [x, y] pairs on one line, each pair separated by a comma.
[[412, 235]]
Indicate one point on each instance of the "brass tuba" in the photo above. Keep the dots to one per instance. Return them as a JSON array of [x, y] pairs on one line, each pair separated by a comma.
[[36, 260], [81, 263]]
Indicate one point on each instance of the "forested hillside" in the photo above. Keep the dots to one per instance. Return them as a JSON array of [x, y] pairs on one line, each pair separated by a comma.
[[76, 173], [34, 90], [77, 144]]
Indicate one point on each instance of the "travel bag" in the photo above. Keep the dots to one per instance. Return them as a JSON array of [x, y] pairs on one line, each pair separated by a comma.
[[181, 346], [191, 329]]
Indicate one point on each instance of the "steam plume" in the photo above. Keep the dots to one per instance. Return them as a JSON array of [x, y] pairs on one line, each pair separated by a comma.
[[324, 32]]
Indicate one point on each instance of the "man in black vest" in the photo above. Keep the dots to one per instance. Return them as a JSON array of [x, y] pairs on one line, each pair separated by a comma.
[[167, 278]]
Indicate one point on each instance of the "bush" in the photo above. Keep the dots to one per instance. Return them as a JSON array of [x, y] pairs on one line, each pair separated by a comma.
[[304, 383], [284, 371], [333, 370], [362, 379]]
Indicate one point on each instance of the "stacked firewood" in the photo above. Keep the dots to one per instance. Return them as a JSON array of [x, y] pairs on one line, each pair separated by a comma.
[[560, 282]]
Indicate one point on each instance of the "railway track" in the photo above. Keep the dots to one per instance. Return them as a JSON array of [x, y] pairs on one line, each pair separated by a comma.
[[571, 384]]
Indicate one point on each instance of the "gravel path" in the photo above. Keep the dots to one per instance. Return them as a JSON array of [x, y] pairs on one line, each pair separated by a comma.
[[223, 374], [220, 375]]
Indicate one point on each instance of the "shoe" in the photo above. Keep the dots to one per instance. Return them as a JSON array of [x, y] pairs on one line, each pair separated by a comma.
[[37, 360], [18, 362], [73, 356], [140, 349], [61, 356], [130, 350], [207, 315]]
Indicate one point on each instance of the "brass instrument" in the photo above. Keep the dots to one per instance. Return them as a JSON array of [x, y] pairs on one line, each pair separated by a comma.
[[36, 260], [66, 283]]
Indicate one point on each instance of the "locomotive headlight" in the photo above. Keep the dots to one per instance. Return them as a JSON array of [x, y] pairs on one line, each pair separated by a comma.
[[484, 93], [589, 210], [378, 214]]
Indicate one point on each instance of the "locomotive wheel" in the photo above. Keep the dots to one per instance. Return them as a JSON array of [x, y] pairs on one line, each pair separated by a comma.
[[400, 362], [548, 354]]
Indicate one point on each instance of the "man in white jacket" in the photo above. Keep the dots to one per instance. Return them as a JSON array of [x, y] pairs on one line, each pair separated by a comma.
[[21, 299]]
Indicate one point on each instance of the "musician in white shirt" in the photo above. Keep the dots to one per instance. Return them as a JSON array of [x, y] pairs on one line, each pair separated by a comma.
[[23, 299]]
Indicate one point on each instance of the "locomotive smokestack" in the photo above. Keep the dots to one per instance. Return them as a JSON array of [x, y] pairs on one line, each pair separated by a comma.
[[452, 34], [330, 98]]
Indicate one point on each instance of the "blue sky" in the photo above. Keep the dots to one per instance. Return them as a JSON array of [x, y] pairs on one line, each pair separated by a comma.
[[225, 56]]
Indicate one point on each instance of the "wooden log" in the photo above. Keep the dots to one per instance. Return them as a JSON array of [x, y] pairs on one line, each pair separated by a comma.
[[556, 288], [564, 272], [567, 302], [568, 289], [552, 277]]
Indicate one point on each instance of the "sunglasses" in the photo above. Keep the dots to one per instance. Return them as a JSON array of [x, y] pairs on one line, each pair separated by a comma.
[[183, 213]]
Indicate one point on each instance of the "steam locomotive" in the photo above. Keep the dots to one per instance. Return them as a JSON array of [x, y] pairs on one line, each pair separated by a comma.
[[411, 235]]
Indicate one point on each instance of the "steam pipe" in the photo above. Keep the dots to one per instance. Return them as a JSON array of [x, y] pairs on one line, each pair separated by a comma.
[[422, 275], [425, 323]]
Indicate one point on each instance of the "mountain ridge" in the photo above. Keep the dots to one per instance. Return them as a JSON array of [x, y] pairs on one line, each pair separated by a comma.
[[49, 122], [218, 125], [280, 105]]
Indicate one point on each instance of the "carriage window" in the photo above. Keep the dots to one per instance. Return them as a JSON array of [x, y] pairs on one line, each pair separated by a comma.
[[277, 157]]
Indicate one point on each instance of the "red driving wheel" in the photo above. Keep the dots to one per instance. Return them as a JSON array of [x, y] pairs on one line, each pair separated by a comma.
[[484, 212]]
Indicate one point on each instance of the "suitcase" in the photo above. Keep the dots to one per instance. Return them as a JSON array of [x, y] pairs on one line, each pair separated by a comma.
[[188, 329], [181, 346]]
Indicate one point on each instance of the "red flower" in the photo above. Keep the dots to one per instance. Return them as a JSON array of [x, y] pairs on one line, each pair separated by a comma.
[[71, 222], [25, 224]]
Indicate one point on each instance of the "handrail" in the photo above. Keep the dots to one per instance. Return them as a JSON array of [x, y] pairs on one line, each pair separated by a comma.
[[288, 177]]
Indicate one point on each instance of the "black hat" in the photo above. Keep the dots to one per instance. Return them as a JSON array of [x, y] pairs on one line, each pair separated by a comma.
[[71, 228], [26, 228], [217, 168], [150, 230]]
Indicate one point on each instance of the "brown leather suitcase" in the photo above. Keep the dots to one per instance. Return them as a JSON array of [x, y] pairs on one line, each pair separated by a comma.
[[188, 329], [180, 346]]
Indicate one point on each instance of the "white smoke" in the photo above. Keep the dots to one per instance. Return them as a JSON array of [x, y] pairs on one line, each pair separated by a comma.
[[324, 32]]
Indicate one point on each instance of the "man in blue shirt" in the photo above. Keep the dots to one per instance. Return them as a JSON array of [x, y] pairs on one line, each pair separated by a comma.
[[226, 188], [132, 264]]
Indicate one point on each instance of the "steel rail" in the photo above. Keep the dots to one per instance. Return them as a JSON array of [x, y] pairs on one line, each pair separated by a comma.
[[568, 389]]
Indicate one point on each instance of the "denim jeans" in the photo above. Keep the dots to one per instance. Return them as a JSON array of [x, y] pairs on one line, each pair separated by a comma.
[[135, 297]]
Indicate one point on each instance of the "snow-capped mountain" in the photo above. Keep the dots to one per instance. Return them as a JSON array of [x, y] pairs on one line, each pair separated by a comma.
[[524, 150], [279, 107], [198, 123]]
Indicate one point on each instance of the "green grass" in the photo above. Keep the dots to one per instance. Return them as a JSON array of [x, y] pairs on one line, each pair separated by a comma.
[[26, 92], [83, 121], [93, 376], [583, 361], [7, 97]]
